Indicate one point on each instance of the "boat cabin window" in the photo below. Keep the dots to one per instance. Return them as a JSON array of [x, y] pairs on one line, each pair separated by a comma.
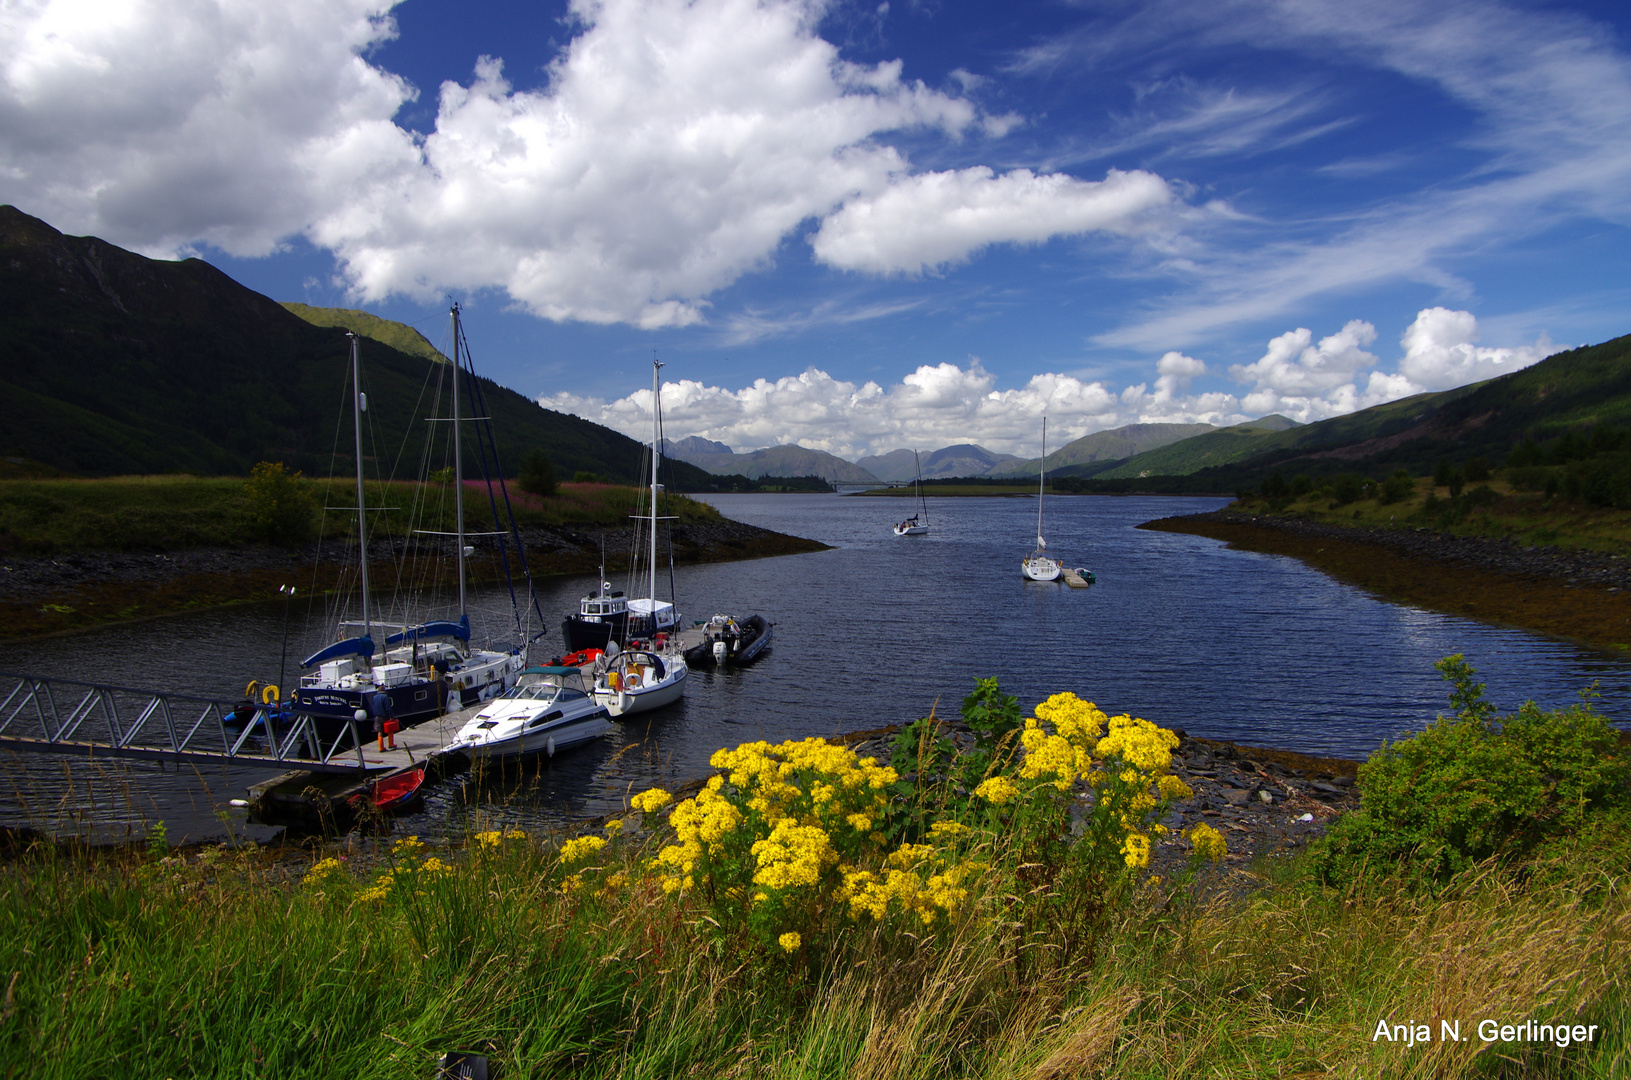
[[532, 692]]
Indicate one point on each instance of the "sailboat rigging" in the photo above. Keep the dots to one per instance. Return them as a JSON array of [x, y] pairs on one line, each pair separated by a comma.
[[428, 665]]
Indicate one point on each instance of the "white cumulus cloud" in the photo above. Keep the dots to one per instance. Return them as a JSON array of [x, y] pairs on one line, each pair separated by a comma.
[[1441, 351], [158, 125], [942, 404], [1310, 382], [935, 219], [675, 145]]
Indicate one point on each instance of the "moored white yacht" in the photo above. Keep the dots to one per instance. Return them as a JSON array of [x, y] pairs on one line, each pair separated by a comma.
[[546, 712]]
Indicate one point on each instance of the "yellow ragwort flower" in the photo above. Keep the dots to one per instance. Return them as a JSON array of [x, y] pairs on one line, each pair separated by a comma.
[[581, 848], [652, 800]]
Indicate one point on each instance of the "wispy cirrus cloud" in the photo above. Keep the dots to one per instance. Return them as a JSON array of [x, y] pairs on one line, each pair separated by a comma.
[[1552, 96]]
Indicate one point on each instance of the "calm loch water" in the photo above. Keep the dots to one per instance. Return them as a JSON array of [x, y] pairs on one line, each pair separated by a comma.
[[1179, 630]]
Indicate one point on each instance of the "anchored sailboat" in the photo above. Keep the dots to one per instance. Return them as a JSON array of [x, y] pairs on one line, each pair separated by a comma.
[[918, 523], [1039, 565]]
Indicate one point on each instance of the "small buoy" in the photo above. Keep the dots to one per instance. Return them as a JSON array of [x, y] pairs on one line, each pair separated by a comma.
[[240, 803]]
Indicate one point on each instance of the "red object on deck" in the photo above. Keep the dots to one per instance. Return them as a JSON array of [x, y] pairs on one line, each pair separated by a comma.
[[580, 658]]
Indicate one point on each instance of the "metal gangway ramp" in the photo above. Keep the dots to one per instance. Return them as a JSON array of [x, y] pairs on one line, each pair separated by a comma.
[[91, 720]]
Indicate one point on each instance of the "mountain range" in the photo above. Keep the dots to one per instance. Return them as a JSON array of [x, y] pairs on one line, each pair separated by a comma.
[[119, 364]]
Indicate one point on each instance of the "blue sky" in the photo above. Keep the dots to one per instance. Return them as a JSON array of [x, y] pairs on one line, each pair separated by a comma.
[[868, 226]]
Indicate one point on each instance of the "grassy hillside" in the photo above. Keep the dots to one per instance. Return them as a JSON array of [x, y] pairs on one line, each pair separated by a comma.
[[1219, 446], [399, 336], [1105, 446], [785, 461], [117, 364]]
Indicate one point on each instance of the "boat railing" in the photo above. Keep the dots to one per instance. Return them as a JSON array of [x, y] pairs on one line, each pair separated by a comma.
[[93, 719]]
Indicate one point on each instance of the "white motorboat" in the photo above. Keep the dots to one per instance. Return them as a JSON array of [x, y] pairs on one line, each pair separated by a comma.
[[548, 711], [918, 523], [1040, 565], [651, 671], [639, 680]]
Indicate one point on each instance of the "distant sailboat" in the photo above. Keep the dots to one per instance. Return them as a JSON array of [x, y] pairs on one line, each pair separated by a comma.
[[918, 523], [1039, 565]]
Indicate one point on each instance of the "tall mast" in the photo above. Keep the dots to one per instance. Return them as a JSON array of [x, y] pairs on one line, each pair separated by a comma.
[[652, 554], [362, 513], [458, 458], [1041, 477]]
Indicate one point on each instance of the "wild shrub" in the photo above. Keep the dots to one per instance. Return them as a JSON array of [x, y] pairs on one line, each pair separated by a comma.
[[537, 474], [796, 842], [1475, 785], [1347, 488], [1397, 488], [280, 509]]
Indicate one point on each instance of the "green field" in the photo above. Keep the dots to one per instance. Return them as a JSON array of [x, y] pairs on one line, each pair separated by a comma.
[[168, 513]]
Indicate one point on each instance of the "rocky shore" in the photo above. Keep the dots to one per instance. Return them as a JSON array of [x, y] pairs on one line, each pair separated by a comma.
[[1584, 596], [77, 590]]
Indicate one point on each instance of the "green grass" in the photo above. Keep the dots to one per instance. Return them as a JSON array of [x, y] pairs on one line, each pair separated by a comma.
[[167, 513], [212, 963], [1524, 517]]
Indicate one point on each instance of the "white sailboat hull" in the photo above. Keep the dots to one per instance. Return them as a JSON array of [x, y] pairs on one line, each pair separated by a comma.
[[626, 701], [911, 530], [1041, 568]]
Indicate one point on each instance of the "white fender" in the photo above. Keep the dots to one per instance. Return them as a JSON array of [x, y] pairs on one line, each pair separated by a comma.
[[549, 746]]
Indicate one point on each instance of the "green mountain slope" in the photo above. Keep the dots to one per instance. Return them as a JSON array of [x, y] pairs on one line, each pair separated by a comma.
[[399, 336], [1104, 446], [1567, 392], [787, 460], [1219, 446], [115, 364]]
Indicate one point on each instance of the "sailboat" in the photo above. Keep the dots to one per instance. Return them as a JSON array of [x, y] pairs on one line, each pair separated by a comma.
[[918, 523], [1039, 565], [427, 666], [650, 671]]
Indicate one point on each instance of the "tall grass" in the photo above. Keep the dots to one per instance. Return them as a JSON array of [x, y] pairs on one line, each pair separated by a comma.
[[223, 963]]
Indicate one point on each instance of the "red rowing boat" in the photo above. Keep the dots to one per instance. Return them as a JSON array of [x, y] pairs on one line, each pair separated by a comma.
[[396, 790]]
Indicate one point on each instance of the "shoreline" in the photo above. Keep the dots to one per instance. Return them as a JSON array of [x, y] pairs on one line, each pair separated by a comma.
[[1582, 596], [85, 590]]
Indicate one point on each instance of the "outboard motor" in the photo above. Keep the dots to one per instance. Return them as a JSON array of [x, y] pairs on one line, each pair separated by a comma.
[[721, 651]]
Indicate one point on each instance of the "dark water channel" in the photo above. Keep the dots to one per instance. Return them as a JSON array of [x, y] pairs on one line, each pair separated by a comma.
[[1179, 630]]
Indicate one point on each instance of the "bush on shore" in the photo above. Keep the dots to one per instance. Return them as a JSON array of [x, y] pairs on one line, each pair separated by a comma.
[[1475, 786]]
